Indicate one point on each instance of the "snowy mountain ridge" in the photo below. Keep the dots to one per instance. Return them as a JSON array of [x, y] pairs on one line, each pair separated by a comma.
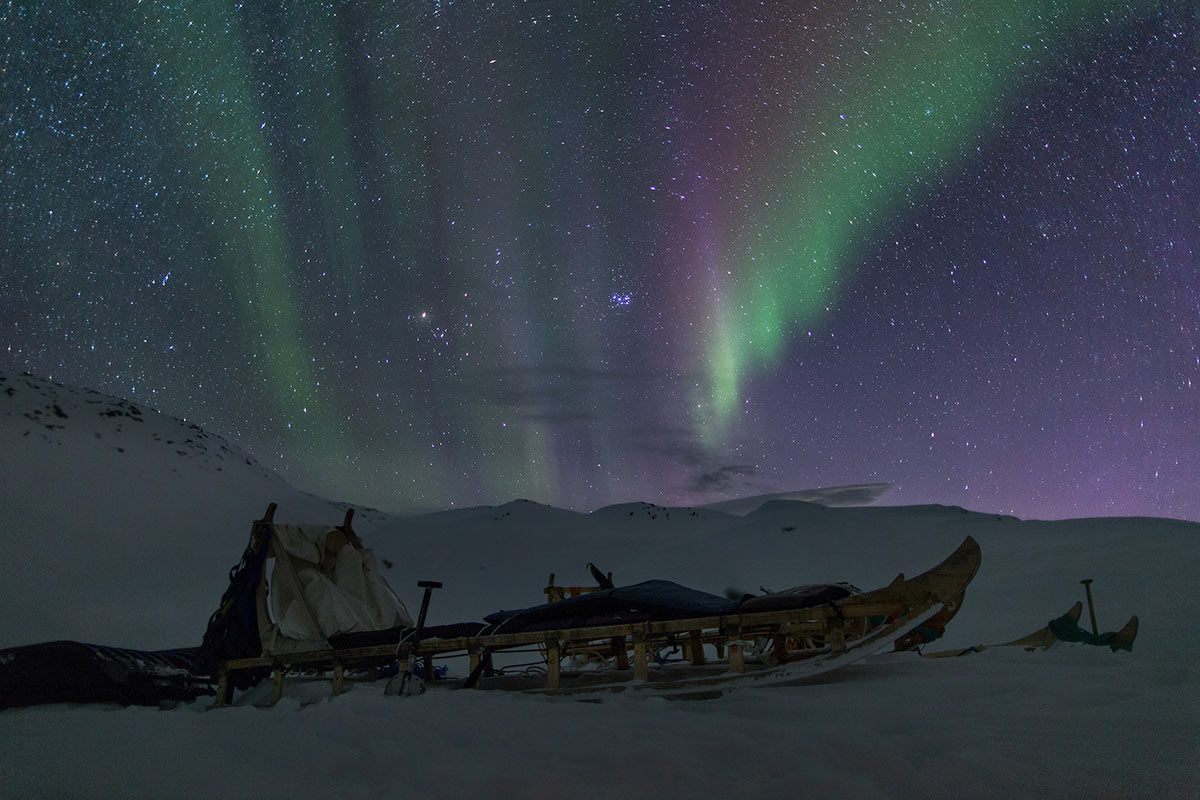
[[56, 414]]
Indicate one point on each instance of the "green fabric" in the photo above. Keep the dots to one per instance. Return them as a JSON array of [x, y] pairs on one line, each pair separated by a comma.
[[1068, 630]]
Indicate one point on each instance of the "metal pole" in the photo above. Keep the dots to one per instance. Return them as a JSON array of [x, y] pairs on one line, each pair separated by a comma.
[[428, 586], [1087, 587]]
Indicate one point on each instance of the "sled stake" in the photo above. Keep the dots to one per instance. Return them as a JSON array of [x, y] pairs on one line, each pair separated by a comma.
[[485, 660], [1087, 587]]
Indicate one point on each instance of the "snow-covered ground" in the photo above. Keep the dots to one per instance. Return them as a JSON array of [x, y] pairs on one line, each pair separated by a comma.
[[119, 526]]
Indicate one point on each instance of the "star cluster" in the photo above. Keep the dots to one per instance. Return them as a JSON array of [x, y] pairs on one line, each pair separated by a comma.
[[422, 254]]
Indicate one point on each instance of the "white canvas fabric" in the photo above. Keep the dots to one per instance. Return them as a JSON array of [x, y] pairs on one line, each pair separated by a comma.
[[324, 583]]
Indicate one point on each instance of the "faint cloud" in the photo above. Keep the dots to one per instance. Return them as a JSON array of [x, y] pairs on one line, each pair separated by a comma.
[[721, 479], [556, 395], [859, 494], [673, 442], [706, 474], [561, 394]]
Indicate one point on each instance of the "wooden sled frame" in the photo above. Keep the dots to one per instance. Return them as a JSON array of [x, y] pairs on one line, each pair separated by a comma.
[[847, 630]]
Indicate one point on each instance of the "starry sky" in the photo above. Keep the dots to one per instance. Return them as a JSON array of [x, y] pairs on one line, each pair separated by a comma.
[[422, 254]]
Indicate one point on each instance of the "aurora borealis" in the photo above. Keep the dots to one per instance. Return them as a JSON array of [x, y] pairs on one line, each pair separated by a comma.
[[422, 254]]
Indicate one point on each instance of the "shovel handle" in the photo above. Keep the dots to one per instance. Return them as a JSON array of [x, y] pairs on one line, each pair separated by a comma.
[[1087, 588]]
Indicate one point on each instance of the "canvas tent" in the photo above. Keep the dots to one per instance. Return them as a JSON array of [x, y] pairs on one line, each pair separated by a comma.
[[324, 582], [296, 586]]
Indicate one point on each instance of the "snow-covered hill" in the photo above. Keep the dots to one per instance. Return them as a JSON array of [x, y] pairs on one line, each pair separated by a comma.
[[119, 525]]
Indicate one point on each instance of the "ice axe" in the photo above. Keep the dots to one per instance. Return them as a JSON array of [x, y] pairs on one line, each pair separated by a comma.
[[401, 686]]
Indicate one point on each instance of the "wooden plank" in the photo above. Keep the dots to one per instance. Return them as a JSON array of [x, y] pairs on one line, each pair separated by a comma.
[[434, 646], [808, 620], [879, 608], [801, 630], [811, 618], [597, 633], [316, 657], [276, 686]]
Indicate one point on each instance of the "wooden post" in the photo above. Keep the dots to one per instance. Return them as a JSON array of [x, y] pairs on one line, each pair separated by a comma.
[[473, 659], [697, 649], [553, 671], [276, 686], [737, 661], [837, 635], [620, 653], [553, 593], [339, 676], [427, 668], [641, 661], [224, 689]]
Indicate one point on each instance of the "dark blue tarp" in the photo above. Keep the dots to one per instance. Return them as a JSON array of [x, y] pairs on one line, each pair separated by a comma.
[[77, 672], [636, 603], [653, 600]]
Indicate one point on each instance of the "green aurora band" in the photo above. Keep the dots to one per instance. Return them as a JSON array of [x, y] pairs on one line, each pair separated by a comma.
[[903, 113], [199, 51]]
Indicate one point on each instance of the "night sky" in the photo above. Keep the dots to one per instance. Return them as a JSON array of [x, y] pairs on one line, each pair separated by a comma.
[[435, 253]]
